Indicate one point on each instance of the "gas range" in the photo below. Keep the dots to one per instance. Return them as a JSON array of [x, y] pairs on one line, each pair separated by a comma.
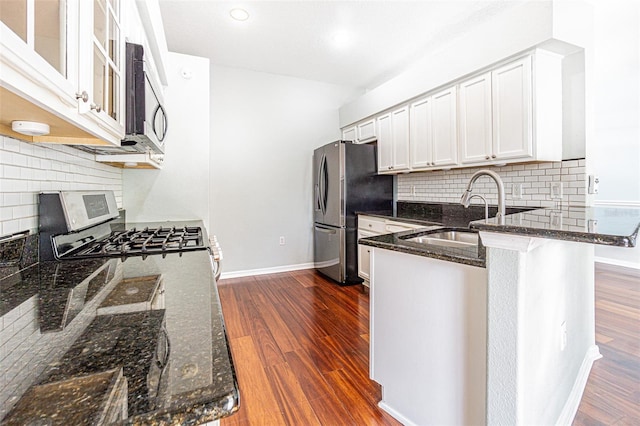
[[83, 225]]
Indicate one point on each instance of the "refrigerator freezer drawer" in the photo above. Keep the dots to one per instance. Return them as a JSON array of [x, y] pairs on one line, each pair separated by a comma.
[[328, 249]]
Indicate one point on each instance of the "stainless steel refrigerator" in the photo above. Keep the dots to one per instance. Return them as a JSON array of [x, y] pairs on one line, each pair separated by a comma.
[[345, 182]]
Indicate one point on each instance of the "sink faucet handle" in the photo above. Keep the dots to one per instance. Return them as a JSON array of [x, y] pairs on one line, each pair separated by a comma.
[[466, 198]]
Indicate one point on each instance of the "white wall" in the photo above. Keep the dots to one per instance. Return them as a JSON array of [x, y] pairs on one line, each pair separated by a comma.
[[616, 152], [180, 190], [264, 128]]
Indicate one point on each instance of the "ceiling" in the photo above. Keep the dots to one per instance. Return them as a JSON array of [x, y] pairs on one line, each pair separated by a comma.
[[352, 43]]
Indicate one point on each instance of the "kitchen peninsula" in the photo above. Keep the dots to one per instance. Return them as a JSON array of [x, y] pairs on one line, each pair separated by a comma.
[[507, 338], [136, 340]]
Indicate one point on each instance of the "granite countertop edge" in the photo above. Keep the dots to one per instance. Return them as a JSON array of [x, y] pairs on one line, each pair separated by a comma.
[[573, 236], [395, 242]]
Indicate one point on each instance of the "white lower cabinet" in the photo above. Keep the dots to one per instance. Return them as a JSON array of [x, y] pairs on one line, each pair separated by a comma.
[[370, 226], [364, 256]]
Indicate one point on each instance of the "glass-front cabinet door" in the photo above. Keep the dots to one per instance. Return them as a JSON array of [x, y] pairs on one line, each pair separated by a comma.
[[102, 62], [36, 36]]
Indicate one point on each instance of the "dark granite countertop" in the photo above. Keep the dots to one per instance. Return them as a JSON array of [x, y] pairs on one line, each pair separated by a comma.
[[596, 225], [447, 214], [471, 255], [65, 344], [444, 215], [613, 226]]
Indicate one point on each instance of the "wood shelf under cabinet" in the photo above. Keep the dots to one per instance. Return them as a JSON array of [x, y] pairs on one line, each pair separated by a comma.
[[14, 107]]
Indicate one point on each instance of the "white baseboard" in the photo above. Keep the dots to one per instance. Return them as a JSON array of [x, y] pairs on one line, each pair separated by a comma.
[[265, 271], [625, 267], [573, 402], [393, 413], [617, 203]]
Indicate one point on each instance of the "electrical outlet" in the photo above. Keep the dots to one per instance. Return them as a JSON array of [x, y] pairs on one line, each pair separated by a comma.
[[563, 336], [594, 181], [556, 190], [556, 219], [516, 191], [281, 241]]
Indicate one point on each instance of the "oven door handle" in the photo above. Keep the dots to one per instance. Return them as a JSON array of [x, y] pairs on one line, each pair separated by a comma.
[[162, 363]]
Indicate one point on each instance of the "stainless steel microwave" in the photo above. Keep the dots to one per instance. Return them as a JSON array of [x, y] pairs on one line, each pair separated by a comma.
[[146, 117]]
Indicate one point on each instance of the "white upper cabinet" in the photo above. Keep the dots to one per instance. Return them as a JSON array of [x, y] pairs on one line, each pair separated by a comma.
[[349, 134], [64, 59], [101, 65], [363, 132], [421, 134], [511, 113], [385, 144], [511, 94], [433, 138], [393, 141], [37, 49], [367, 131], [498, 121], [445, 135], [475, 119], [400, 124]]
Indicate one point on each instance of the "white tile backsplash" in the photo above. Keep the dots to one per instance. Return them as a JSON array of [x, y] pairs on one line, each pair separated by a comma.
[[27, 169], [535, 178]]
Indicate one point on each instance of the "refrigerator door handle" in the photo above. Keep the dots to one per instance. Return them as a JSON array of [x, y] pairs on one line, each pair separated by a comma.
[[326, 230], [316, 191], [342, 203], [319, 185], [325, 186]]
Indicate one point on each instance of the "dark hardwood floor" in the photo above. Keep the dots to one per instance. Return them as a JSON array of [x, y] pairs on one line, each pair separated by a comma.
[[301, 347], [612, 395]]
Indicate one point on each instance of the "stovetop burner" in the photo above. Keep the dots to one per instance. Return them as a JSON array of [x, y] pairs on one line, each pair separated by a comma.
[[141, 242]]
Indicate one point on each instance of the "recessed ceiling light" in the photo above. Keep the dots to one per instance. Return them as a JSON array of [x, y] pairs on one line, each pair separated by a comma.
[[239, 14], [30, 128], [342, 39]]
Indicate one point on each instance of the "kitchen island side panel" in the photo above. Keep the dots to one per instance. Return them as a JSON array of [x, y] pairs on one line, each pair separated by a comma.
[[428, 338]]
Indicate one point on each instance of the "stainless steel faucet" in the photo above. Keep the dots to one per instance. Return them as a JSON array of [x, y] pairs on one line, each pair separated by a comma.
[[466, 197], [486, 205]]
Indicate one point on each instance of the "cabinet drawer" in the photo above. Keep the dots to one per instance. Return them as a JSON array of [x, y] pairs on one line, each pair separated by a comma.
[[372, 225], [399, 227]]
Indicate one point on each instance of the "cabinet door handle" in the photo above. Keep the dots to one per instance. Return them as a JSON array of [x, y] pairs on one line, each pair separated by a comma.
[[493, 156], [487, 157], [84, 96], [98, 108]]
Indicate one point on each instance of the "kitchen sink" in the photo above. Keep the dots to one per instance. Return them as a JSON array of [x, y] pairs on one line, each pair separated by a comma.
[[448, 238]]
